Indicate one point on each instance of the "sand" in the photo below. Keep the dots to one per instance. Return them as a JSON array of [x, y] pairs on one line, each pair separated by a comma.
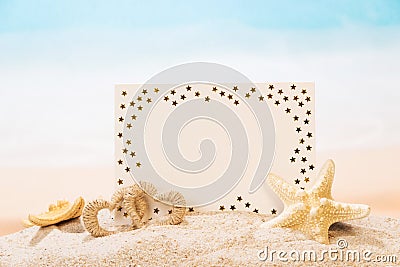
[[203, 239]]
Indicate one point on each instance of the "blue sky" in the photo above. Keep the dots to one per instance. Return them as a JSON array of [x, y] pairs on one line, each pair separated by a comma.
[[59, 62], [16, 16]]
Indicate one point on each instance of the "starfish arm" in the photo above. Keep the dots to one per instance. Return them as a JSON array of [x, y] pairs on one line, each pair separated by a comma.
[[338, 211], [323, 186], [292, 216], [285, 191]]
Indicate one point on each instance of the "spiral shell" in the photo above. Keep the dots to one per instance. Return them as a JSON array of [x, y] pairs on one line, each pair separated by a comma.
[[90, 220]]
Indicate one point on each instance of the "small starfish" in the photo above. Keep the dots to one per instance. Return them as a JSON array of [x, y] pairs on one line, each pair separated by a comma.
[[313, 211]]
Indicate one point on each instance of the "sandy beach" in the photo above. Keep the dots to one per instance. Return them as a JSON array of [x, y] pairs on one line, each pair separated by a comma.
[[203, 239]]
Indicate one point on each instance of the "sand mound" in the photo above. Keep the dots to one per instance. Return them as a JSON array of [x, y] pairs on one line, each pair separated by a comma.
[[203, 239]]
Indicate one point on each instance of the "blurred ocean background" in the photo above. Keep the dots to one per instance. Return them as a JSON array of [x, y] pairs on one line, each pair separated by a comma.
[[60, 60]]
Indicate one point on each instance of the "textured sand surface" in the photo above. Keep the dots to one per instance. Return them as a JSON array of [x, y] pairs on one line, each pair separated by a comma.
[[203, 239]]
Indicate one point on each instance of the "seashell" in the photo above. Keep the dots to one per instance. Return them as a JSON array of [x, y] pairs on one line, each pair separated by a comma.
[[56, 213], [90, 220]]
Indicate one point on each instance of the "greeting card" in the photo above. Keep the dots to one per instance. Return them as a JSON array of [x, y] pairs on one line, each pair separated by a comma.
[[215, 143]]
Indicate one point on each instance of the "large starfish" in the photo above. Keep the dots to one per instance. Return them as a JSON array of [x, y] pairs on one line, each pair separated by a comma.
[[312, 211]]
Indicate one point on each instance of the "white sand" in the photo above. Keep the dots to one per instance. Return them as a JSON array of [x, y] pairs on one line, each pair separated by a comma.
[[203, 239]]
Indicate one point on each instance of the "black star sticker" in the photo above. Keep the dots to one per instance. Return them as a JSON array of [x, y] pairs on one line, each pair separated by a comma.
[[119, 135], [293, 87], [129, 125], [292, 159], [173, 92], [303, 171], [132, 103], [232, 207], [309, 135], [302, 188], [132, 154], [169, 211], [133, 117], [148, 100], [166, 98], [253, 90], [306, 121], [277, 102], [222, 93], [138, 164], [183, 97], [273, 211], [280, 91], [261, 98], [122, 106], [255, 210], [127, 169], [308, 112], [298, 129], [191, 209], [301, 104], [301, 141], [156, 90], [295, 98], [197, 94], [139, 98], [297, 151], [124, 93], [140, 108], [247, 95], [308, 99], [271, 86], [221, 207], [214, 89], [288, 110], [247, 205], [239, 198], [120, 181], [188, 88], [128, 142], [230, 97], [270, 96], [120, 162], [304, 159], [120, 119], [285, 98], [144, 91], [311, 167], [119, 208], [304, 91], [156, 210], [125, 214], [297, 181], [309, 147], [124, 150], [236, 102], [207, 99], [296, 118], [174, 103], [235, 88]]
